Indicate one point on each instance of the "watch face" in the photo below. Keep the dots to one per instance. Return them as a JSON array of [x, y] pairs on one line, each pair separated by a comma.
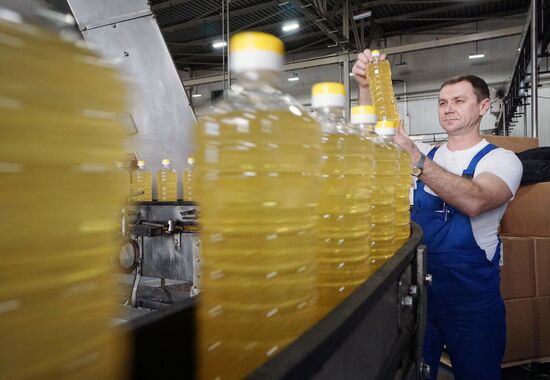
[[416, 171]]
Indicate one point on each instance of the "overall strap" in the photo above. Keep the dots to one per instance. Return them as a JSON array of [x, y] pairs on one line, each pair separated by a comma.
[[470, 170], [431, 154]]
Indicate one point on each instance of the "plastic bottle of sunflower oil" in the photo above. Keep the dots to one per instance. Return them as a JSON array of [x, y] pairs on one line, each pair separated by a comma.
[[402, 184], [187, 179], [402, 203], [381, 88], [344, 209], [386, 168], [58, 292], [257, 172], [167, 182], [142, 182]]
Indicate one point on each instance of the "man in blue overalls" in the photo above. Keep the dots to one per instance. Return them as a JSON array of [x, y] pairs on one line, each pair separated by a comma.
[[461, 193]]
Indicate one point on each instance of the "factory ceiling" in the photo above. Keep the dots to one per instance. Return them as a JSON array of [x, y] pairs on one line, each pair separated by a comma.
[[190, 27]]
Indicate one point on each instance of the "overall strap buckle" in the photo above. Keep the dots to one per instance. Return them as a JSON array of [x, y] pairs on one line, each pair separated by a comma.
[[470, 170]]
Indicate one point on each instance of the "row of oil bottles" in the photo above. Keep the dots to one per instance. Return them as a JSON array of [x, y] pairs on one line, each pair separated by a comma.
[[167, 182], [285, 202], [297, 209]]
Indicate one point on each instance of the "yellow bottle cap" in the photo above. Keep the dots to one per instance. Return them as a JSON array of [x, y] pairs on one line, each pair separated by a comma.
[[141, 163], [190, 160], [385, 124], [166, 161], [363, 110], [255, 51], [385, 128], [328, 88], [375, 52], [256, 41], [328, 94], [363, 115]]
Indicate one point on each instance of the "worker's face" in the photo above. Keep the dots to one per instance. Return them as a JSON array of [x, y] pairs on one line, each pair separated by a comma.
[[459, 109]]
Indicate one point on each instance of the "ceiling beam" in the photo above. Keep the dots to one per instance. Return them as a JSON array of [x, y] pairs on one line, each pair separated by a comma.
[[217, 17], [377, 3], [319, 20], [208, 40], [167, 4]]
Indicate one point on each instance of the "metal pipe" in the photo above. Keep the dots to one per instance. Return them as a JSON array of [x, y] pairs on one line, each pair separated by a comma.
[[406, 106], [227, 36], [223, 47], [524, 119], [534, 74], [346, 63]]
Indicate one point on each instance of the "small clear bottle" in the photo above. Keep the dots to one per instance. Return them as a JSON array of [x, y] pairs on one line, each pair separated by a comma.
[[187, 180], [381, 88], [344, 209], [142, 182], [167, 182]]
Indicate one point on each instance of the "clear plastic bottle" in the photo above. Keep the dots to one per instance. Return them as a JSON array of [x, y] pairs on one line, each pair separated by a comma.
[[167, 182], [187, 179], [60, 185], [386, 168], [344, 209], [381, 88], [142, 182], [402, 185], [257, 169], [402, 204]]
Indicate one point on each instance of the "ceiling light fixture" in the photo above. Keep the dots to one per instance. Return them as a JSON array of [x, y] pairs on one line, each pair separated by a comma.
[[293, 79], [289, 26], [196, 95], [476, 56], [362, 15], [219, 44]]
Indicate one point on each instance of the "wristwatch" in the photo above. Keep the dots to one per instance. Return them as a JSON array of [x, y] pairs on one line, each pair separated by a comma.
[[419, 167]]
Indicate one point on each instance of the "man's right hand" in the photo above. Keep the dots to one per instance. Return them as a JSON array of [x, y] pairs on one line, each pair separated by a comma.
[[361, 77]]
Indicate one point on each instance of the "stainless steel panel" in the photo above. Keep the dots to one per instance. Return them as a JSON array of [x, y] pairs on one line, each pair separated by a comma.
[[91, 14], [170, 256], [160, 109]]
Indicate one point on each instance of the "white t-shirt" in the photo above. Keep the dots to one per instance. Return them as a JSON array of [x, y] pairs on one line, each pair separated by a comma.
[[500, 162]]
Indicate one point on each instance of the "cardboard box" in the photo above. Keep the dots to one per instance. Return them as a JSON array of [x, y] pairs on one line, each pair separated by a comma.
[[517, 277], [515, 144], [528, 214], [520, 329], [542, 268], [542, 326]]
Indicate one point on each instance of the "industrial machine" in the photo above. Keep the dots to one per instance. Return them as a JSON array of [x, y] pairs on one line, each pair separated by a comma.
[[160, 242]]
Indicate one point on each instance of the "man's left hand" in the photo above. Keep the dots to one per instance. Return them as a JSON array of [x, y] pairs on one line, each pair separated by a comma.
[[404, 141]]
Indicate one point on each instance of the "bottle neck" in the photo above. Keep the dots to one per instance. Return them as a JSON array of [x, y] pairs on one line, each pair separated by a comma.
[[255, 79], [367, 129], [333, 113]]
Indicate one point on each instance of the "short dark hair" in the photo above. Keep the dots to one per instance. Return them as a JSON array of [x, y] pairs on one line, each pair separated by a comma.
[[479, 85]]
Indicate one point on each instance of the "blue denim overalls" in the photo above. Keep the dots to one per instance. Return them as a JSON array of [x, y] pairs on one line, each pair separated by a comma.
[[465, 310]]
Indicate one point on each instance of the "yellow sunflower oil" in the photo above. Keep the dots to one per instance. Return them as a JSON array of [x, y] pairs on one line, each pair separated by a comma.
[[257, 169], [344, 209]]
